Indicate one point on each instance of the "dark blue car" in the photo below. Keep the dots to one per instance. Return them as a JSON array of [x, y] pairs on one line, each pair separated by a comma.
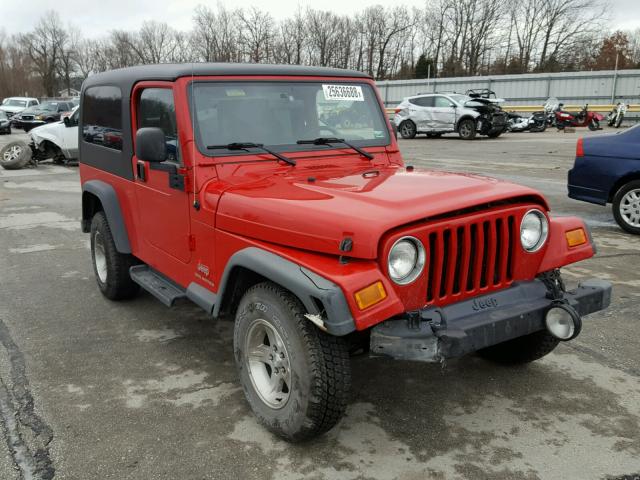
[[607, 170]]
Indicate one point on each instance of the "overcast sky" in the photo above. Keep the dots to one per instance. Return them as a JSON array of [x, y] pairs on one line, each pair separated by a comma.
[[98, 18]]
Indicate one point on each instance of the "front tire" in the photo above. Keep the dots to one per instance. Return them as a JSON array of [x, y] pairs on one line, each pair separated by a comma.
[[626, 207], [295, 377], [408, 129], [110, 266], [467, 129], [521, 350], [619, 121], [594, 125]]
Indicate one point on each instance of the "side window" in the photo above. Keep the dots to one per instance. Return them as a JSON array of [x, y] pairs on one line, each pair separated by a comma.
[[102, 117], [157, 109], [442, 102], [422, 101], [32, 103]]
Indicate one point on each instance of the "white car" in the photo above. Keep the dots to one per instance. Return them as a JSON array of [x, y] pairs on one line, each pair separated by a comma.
[[437, 113], [58, 140], [13, 105]]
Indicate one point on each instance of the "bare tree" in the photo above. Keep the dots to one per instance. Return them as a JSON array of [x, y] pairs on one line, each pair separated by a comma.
[[256, 34], [43, 47]]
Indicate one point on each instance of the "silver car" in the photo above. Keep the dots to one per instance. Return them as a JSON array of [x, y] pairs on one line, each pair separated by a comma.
[[438, 113]]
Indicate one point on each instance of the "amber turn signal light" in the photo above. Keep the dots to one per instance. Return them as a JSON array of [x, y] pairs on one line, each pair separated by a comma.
[[576, 237], [370, 295]]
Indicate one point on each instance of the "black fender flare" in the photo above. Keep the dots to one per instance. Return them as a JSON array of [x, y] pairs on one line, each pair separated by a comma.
[[332, 311], [111, 207]]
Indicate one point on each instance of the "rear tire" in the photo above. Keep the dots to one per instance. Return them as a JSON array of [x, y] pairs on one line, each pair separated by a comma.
[[408, 129], [310, 395], [467, 129], [521, 350], [110, 266], [594, 125], [626, 207], [15, 155]]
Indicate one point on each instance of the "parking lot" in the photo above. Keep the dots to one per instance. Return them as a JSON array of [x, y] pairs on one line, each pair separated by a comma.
[[135, 390]]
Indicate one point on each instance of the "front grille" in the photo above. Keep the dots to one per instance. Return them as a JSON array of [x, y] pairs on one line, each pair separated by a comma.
[[27, 117], [465, 258]]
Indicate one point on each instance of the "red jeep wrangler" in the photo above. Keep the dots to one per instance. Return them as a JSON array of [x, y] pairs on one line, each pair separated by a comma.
[[277, 195]]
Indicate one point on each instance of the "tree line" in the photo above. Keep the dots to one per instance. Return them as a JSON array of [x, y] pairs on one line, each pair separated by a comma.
[[445, 38]]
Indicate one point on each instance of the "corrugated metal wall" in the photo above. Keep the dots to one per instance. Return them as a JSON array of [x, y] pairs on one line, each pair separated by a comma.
[[602, 87]]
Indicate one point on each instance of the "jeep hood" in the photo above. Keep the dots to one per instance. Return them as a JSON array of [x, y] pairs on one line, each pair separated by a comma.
[[317, 214]]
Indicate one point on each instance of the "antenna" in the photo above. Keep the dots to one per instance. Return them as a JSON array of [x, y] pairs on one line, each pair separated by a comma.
[[196, 203]]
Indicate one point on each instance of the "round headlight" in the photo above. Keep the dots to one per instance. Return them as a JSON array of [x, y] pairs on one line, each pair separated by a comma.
[[534, 230], [406, 260]]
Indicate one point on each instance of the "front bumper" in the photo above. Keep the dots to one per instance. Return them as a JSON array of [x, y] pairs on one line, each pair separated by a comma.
[[433, 334]]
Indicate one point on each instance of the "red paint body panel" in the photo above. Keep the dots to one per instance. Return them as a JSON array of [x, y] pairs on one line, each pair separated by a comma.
[[346, 201], [302, 213], [558, 252]]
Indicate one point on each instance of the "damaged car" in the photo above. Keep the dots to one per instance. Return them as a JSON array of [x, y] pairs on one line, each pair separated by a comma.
[[54, 141], [435, 114]]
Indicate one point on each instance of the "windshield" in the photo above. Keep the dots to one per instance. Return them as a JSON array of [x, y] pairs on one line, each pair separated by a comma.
[[278, 114], [460, 99], [15, 103], [48, 106]]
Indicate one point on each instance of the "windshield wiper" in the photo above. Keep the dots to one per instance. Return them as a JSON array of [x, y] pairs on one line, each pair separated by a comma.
[[330, 140], [248, 145]]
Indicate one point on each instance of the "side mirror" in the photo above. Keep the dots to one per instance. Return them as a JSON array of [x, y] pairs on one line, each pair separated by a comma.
[[151, 145], [67, 122]]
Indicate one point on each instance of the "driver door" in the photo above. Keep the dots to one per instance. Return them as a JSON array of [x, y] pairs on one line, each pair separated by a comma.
[[163, 204], [444, 113]]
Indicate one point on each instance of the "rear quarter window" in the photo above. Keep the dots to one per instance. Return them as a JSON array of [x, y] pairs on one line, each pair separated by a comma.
[[102, 116], [422, 101]]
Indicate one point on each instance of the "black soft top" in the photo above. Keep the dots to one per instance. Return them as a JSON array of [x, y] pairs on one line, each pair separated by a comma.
[[125, 78]]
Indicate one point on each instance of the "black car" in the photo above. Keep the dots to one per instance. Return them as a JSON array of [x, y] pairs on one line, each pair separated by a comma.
[[46, 112], [5, 123]]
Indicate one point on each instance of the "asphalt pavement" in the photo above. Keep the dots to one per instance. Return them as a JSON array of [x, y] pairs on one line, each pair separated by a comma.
[[93, 389]]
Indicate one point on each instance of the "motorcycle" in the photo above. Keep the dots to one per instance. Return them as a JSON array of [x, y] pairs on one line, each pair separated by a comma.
[[615, 117], [583, 118], [537, 122]]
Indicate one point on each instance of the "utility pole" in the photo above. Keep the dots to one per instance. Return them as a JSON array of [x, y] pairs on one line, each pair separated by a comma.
[[615, 80]]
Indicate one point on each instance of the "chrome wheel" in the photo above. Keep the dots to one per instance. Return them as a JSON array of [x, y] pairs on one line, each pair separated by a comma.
[[630, 208], [100, 257], [465, 129], [407, 129], [13, 153], [267, 362]]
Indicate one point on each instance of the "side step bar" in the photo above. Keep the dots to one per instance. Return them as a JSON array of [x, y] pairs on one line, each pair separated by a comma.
[[157, 284]]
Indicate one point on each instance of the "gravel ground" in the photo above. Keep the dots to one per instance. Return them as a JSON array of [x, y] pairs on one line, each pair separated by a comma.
[[96, 389]]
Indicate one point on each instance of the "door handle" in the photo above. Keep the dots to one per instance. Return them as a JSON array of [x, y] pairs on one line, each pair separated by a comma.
[[141, 172]]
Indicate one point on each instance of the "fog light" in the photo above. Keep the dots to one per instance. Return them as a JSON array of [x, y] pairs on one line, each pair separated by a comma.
[[563, 322]]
